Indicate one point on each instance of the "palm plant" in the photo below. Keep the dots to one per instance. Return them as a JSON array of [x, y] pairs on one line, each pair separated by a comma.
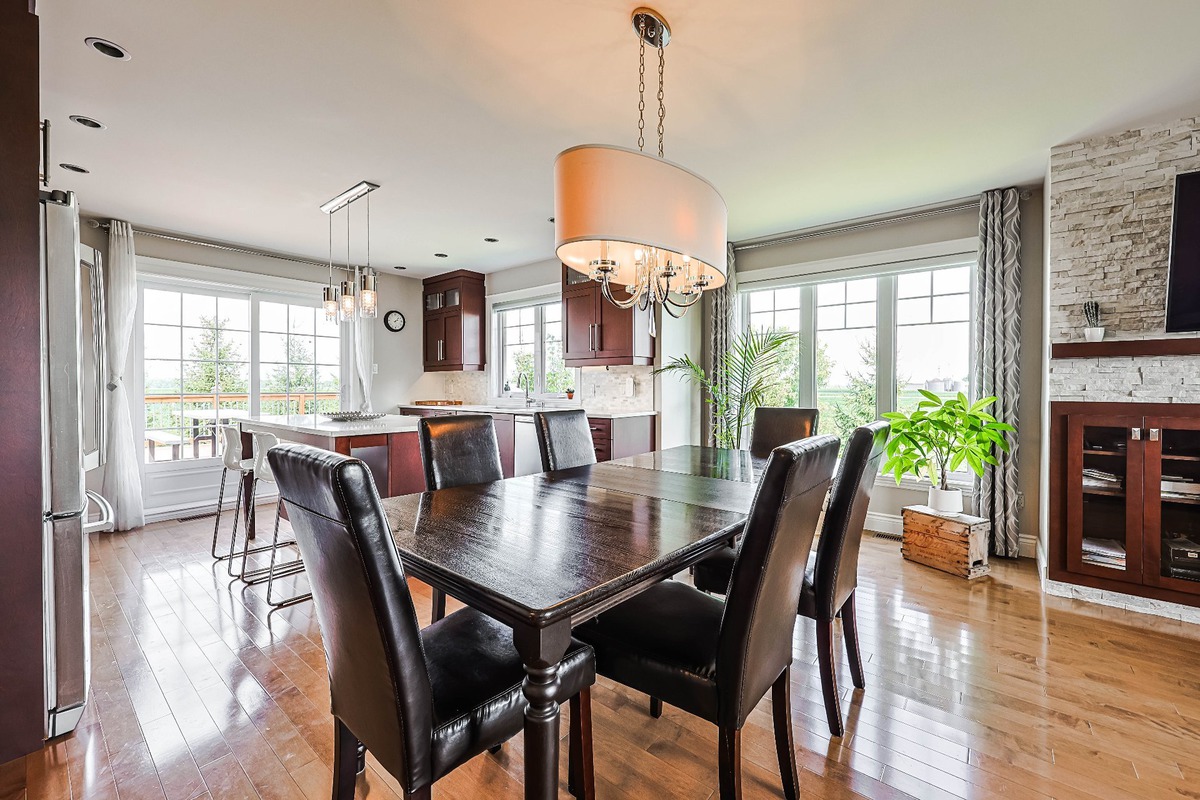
[[738, 382]]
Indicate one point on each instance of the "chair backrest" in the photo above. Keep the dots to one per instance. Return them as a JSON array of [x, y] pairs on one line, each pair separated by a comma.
[[755, 643], [459, 450], [564, 439], [777, 426], [263, 442], [378, 680], [836, 572], [231, 437]]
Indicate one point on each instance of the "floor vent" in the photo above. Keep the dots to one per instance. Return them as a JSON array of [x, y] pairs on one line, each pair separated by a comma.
[[197, 516], [895, 537]]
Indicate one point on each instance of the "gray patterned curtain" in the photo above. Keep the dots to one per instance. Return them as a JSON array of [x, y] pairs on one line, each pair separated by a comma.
[[721, 311], [997, 365]]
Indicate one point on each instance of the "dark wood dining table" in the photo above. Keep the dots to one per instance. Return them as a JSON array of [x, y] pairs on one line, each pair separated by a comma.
[[544, 553]]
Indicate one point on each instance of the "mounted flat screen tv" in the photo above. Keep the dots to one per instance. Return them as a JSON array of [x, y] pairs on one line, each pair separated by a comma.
[[1183, 278]]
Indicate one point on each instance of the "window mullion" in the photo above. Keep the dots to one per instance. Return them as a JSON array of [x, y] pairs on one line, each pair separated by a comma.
[[807, 395], [539, 349], [255, 367], [885, 344]]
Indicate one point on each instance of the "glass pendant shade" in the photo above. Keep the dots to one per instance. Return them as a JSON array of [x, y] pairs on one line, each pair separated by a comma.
[[614, 206], [368, 297], [330, 303], [347, 301]]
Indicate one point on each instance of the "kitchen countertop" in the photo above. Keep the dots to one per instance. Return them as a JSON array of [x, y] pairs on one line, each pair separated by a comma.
[[321, 425], [521, 410]]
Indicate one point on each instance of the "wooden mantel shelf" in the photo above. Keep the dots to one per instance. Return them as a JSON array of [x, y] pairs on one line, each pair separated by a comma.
[[1189, 346]]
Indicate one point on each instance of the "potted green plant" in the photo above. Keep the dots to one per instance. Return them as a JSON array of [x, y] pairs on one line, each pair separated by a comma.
[[570, 392], [738, 382], [940, 436]]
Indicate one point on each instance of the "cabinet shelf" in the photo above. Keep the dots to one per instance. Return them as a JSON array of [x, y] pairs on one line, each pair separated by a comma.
[[1121, 453], [1167, 457], [1104, 491]]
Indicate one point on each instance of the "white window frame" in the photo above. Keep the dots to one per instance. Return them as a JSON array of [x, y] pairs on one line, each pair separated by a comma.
[[497, 306], [176, 488], [884, 268]]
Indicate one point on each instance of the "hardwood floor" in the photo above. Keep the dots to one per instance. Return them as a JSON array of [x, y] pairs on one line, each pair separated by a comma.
[[973, 690]]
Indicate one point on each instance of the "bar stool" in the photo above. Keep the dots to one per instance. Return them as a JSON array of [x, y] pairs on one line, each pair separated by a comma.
[[262, 472], [232, 460]]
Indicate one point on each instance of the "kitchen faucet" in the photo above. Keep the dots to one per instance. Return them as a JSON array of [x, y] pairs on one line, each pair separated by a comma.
[[523, 382]]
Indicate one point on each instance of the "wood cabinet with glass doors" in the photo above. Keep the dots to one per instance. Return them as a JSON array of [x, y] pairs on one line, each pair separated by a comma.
[[1125, 498], [453, 329]]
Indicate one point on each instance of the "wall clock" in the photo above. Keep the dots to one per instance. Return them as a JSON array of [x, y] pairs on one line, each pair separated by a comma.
[[394, 321]]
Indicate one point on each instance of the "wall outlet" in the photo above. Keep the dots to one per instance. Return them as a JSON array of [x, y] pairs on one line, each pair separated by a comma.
[[629, 387], [374, 369]]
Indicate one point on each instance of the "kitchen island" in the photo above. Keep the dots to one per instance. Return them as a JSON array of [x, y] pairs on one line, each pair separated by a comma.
[[387, 445]]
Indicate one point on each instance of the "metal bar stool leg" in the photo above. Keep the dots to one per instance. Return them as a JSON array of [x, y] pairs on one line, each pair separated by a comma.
[[217, 524], [282, 570]]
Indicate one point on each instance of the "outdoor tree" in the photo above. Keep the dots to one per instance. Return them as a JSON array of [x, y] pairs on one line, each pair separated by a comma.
[[303, 380], [214, 362], [856, 406]]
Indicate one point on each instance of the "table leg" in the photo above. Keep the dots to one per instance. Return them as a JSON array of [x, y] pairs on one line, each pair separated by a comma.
[[541, 651], [248, 484]]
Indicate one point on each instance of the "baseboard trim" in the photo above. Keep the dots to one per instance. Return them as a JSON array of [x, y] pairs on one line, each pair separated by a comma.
[[162, 513]]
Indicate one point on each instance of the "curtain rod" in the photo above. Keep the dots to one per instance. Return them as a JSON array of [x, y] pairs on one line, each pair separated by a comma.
[[863, 223], [229, 248]]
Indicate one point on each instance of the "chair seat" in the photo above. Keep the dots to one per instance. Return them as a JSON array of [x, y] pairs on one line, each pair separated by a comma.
[[713, 575], [662, 642], [476, 676]]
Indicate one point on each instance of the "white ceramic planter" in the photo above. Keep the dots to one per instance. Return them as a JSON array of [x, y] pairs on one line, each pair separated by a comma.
[[947, 501], [1094, 334]]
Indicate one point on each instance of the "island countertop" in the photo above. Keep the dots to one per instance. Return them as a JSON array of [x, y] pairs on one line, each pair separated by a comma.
[[524, 411], [321, 425]]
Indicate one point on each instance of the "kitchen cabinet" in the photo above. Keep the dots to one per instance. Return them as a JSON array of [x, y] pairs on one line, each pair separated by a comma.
[[453, 317], [598, 333], [621, 437], [1125, 498]]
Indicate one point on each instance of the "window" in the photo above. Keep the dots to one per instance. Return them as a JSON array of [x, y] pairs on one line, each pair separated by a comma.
[[200, 369], [530, 342], [866, 346]]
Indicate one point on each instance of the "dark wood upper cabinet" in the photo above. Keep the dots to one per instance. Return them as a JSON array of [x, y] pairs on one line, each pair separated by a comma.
[[598, 333], [454, 322]]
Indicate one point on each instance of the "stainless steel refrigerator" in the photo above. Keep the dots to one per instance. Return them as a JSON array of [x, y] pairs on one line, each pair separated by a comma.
[[73, 381]]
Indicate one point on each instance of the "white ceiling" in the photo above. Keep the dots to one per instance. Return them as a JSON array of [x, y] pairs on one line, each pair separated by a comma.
[[234, 120]]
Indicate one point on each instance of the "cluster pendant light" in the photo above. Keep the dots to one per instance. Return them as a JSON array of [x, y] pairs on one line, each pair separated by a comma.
[[356, 296], [649, 231]]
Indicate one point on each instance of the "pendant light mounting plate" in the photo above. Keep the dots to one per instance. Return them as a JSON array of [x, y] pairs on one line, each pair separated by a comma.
[[656, 31]]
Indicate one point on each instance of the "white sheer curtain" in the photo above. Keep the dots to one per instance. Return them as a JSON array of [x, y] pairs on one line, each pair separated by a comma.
[[122, 479]]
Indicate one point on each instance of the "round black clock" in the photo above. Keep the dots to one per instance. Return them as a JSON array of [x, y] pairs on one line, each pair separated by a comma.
[[394, 321]]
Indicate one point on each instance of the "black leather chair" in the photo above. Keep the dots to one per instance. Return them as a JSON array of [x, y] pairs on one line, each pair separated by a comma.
[[716, 660], [777, 426], [422, 701], [832, 574], [457, 451], [564, 439]]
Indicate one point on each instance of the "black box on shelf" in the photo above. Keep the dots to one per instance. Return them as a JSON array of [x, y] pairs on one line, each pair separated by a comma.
[[1182, 558]]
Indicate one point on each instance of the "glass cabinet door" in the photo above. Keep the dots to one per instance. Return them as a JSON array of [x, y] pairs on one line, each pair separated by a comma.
[[1104, 496], [434, 300], [1172, 518]]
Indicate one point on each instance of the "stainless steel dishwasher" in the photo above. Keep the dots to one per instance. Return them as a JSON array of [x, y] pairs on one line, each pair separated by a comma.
[[527, 459]]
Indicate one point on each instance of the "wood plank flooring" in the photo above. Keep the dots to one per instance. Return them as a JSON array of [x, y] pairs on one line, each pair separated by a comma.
[[987, 689]]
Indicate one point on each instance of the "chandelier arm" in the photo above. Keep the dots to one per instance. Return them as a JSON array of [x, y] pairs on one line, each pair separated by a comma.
[[608, 295]]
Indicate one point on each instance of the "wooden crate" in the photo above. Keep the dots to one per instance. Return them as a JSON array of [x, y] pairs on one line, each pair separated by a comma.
[[957, 544]]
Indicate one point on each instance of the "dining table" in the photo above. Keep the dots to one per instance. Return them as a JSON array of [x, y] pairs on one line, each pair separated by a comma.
[[543, 553]]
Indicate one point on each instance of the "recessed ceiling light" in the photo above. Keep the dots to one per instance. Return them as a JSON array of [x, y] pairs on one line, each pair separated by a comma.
[[440, 255], [491, 239], [74, 168], [87, 122], [550, 220], [107, 48], [399, 267]]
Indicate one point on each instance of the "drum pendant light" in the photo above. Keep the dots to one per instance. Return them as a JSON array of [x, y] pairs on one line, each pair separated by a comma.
[[648, 230]]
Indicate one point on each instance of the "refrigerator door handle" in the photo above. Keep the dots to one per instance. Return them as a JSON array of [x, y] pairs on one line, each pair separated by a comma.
[[105, 523]]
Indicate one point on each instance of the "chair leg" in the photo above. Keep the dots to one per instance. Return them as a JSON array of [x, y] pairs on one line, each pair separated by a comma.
[[360, 764], [655, 707], [345, 761], [581, 774], [781, 710], [850, 634], [730, 763], [833, 707], [439, 605]]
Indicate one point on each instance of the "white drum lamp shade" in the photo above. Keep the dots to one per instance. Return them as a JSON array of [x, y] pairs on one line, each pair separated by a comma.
[[614, 203]]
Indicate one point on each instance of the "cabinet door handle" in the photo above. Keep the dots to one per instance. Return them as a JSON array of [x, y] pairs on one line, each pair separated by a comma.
[[1154, 434], [1135, 434], [441, 349], [45, 152], [592, 338], [599, 337]]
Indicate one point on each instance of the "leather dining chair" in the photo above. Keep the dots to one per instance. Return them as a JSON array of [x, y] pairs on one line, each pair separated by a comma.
[[457, 451], [774, 426], [423, 702], [564, 439], [831, 576], [716, 659]]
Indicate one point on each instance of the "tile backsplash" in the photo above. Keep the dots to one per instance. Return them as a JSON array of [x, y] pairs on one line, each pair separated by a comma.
[[599, 389]]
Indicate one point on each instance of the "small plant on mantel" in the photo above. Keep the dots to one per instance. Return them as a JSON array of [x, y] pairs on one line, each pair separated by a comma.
[[941, 436], [739, 381], [1091, 312]]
